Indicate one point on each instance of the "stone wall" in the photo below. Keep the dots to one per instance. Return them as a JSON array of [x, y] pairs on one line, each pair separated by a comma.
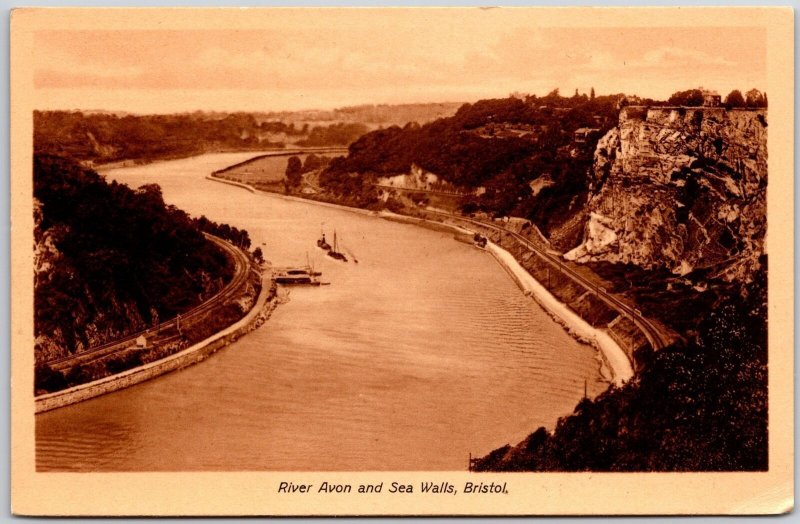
[[264, 305]]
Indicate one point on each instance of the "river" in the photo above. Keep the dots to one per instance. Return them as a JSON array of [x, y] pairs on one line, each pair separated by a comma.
[[419, 354]]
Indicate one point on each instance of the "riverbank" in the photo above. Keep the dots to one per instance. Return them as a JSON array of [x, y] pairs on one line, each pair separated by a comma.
[[264, 304], [131, 162], [290, 198], [617, 362]]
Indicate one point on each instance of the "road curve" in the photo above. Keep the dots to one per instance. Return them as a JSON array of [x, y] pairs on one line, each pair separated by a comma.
[[653, 334], [241, 270]]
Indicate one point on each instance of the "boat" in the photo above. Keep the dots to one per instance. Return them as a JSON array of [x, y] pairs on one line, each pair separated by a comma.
[[299, 276], [334, 251], [322, 243], [294, 276]]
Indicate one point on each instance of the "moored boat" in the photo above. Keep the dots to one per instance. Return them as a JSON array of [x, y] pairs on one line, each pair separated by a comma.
[[322, 243], [334, 252], [298, 276]]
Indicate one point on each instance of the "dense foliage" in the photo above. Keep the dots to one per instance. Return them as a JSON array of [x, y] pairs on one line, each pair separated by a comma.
[[237, 237], [106, 137], [696, 406], [694, 98], [338, 134], [115, 248], [500, 145], [296, 168], [453, 149]]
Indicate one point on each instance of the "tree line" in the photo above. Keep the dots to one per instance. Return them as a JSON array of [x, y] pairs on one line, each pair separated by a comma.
[[753, 99], [105, 137]]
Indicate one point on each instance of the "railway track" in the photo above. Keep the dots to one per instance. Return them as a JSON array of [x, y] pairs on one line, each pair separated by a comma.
[[653, 334], [242, 265]]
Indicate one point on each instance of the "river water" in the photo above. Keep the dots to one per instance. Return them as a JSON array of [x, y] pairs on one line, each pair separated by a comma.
[[421, 353]]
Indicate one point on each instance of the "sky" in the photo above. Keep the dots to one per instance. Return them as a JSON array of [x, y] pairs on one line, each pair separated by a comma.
[[312, 59]]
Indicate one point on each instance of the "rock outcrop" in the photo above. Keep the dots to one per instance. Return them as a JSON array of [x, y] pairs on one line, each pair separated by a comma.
[[682, 188]]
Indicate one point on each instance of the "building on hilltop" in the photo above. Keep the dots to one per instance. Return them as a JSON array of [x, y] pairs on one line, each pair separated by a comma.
[[583, 134], [711, 99]]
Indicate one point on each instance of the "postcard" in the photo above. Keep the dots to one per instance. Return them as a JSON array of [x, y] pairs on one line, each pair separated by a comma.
[[402, 261]]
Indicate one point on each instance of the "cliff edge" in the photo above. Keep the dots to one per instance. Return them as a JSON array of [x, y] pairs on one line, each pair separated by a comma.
[[681, 188]]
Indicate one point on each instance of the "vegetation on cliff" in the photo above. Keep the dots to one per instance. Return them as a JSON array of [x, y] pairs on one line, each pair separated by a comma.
[[111, 260], [501, 146], [338, 134], [696, 406]]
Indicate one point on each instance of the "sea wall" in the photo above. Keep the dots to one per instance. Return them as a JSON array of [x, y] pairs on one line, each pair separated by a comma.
[[282, 152], [263, 307], [616, 351], [560, 298], [293, 198], [232, 183], [616, 359]]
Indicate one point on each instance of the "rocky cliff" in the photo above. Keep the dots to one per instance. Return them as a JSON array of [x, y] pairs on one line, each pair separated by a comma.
[[682, 188]]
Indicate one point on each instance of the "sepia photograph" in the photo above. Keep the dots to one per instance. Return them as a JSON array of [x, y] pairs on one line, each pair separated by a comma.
[[376, 256]]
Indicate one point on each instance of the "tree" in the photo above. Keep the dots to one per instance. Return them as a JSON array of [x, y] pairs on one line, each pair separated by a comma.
[[294, 171], [755, 98], [691, 97], [258, 255], [313, 162], [735, 99], [47, 379], [591, 94]]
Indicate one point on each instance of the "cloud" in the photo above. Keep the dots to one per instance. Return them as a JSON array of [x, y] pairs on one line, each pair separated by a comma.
[[430, 55], [678, 57]]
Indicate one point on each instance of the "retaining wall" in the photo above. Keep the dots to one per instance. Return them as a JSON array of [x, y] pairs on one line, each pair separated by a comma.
[[191, 355]]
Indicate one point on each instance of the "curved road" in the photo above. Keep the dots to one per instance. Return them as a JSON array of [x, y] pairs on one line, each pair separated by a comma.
[[651, 331], [241, 270]]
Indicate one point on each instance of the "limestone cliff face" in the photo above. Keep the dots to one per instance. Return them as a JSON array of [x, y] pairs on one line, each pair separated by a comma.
[[683, 188]]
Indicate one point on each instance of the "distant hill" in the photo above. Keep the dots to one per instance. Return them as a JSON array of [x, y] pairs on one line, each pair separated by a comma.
[[101, 137], [104, 136], [372, 115]]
